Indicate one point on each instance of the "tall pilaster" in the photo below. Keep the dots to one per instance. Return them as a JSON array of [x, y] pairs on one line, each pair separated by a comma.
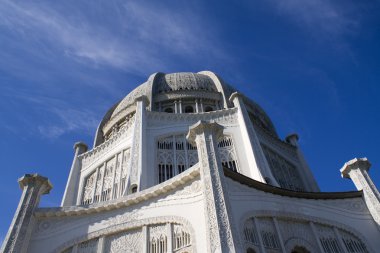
[[258, 165], [307, 176], [357, 170], [71, 191], [137, 165], [17, 239], [221, 237]]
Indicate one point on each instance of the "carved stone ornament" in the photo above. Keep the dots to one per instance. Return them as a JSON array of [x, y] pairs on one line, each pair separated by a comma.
[[18, 235]]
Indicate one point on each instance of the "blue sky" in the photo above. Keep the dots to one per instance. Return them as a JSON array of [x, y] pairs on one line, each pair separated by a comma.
[[312, 65]]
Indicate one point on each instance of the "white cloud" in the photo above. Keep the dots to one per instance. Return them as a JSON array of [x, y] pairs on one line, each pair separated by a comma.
[[131, 41]]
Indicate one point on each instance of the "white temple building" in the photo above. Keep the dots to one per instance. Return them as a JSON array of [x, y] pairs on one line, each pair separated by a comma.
[[185, 163]]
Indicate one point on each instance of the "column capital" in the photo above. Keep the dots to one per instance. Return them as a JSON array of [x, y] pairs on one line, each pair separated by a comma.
[[356, 163], [143, 99], [35, 179], [81, 146], [292, 139], [235, 95], [203, 126]]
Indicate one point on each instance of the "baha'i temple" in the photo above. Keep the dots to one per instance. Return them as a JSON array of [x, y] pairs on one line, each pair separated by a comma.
[[185, 163]]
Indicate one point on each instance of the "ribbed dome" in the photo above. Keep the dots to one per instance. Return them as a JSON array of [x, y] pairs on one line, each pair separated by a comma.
[[183, 81]]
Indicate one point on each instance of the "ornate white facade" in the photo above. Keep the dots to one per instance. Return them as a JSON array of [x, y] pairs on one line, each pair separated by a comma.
[[185, 163]]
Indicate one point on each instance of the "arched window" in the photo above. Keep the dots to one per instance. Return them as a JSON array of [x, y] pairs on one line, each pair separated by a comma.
[[209, 109], [174, 156], [189, 109], [133, 188], [169, 110], [300, 249], [250, 250], [227, 154], [181, 238]]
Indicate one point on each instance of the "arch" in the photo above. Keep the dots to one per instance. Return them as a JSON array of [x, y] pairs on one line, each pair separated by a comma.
[[133, 188], [169, 110], [209, 109], [300, 249], [189, 109], [128, 225], [250, 250], [361, 241]]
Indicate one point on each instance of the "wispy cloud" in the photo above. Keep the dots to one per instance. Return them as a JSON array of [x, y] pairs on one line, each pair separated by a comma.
[[319, 15], [53, 47], [131, 40]]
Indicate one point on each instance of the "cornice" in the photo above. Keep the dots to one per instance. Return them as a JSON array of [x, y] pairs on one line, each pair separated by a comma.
[[288, 193], [181, 94], [125, 201], [225, 116]]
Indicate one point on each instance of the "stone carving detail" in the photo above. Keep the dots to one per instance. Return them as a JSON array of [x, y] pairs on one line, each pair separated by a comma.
[[109, 181], [100, 151], [268, 233], [158, 240], [33, 187], [285, 173], [134, 165], [183, 81], [130, 98], [279, 146], [90, 246], [219, 229], [129, 241], [223, 117], [174, 156], [298, 232], [227, 153], [89, 188], [181, 237], [290, 229]]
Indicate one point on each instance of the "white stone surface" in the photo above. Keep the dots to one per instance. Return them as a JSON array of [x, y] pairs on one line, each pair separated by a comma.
[[142, 189]]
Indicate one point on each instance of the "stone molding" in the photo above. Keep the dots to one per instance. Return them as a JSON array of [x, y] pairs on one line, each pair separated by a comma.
[[125, 112], [225, 117], [125, 201], [117, 227], [183, 94], [289, 193]]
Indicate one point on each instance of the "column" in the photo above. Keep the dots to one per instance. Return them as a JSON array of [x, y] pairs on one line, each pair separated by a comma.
[[306, 174], [175, 172], [255, 223], [259, 167], [113, 176], [196, 106], [17, 238], [357, 170], [169, 232], [175, 107], [279, 234], [340, 241], [145, 239], [137, 164], [72, 186], [101, 244], [95, 185], [221, 238], [316, 237], [180, 106]]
